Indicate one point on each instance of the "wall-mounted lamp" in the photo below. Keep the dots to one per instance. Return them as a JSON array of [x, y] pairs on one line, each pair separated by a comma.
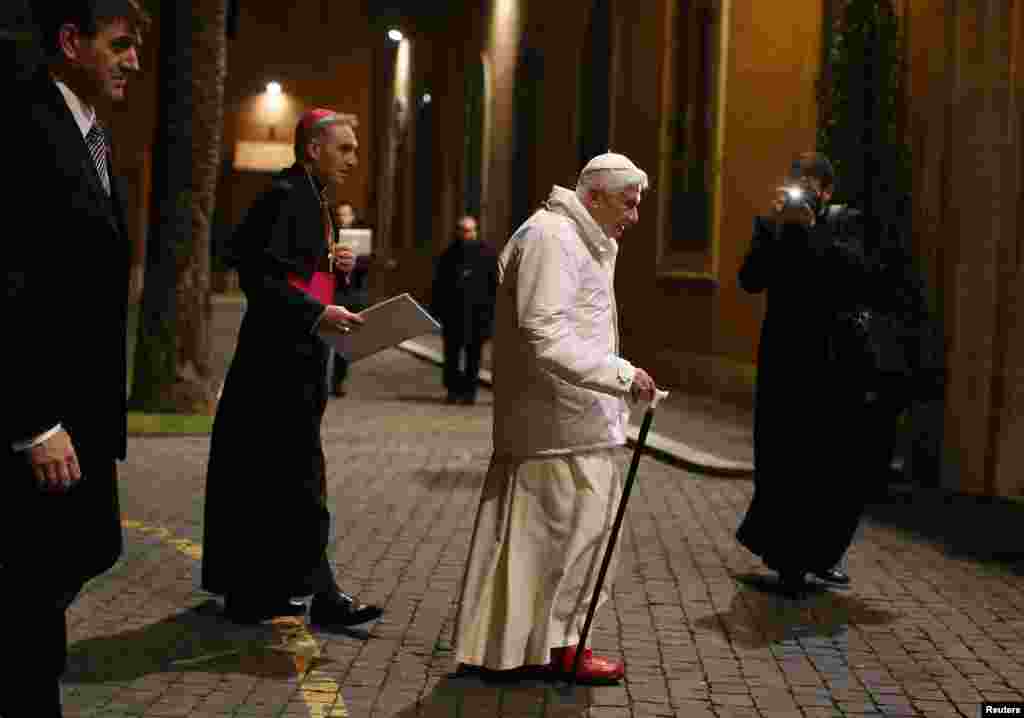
[[426, 98], [395, 35], [273, 107]]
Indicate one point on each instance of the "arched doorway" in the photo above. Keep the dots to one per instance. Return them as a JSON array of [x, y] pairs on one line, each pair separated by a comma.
[[694, 74]]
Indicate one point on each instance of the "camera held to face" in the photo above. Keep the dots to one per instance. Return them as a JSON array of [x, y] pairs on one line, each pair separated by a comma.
[[803, 195]]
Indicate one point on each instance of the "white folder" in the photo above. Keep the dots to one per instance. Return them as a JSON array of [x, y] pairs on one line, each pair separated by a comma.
[[388, 324], [361, 240]]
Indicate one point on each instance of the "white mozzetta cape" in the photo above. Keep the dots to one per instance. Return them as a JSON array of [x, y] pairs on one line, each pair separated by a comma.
[[559, 384]]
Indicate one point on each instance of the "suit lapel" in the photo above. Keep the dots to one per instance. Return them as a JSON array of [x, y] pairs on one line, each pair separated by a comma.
[[71, 145]]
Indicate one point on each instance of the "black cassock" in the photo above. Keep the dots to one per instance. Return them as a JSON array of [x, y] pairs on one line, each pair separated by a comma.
[[266, 521], [821, 432]]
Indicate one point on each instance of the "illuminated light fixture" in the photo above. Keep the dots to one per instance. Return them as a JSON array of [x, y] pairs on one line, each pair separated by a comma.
[[426, 98], [273, 88], [395, 35]]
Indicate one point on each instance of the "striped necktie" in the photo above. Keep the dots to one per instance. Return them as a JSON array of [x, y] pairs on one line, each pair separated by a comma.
[[97, 144]]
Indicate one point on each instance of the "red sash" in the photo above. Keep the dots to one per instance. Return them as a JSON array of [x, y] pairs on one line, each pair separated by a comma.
[[320, 286]]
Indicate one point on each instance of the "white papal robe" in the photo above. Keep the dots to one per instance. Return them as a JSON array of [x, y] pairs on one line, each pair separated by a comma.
[[540, 535], [553, 486]]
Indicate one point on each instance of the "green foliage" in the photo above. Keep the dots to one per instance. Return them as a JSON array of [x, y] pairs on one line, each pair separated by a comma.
[[20, 52], [142, 424], [860, 102], [154, 359]]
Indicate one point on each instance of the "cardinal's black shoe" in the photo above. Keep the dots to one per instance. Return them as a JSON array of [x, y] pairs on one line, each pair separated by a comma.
[[832, 575], [341, 610], [248, 611]]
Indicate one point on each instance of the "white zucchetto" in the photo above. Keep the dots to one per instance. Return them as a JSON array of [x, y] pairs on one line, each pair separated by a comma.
[[614, 162]]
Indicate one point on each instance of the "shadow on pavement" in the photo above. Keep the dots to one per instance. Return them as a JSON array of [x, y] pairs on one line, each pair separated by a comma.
[[450, 479], [422, 398], [481, 400], [470, 696], [759, 616], [981, 528], [198, 639]]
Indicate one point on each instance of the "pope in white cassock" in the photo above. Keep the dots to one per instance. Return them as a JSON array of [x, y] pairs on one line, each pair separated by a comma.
[[560, 414]]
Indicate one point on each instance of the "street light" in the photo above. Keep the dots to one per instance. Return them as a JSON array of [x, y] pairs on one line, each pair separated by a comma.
[[395, 35], [273, 104]]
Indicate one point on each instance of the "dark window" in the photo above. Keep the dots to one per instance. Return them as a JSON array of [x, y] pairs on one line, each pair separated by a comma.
[[692, 128]]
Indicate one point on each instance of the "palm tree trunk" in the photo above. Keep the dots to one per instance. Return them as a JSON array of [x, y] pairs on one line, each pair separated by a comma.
[[173, 356], [209, 70], [169, 240]]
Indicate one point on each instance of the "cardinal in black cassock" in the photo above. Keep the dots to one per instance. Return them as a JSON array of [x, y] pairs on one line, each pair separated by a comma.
[[266, 522]]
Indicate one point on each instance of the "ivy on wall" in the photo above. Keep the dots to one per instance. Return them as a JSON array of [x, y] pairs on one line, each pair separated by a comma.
[[860, 103]]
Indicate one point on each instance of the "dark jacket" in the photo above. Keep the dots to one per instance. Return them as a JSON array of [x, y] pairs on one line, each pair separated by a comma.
[[464, 290], [265, 488], [67, 290]]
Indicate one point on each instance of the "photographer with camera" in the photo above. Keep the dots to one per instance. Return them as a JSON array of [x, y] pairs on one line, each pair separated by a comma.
[[842, 353]]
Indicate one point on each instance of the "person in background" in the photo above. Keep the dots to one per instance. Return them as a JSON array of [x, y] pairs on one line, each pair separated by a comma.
[[462, 299], [351, 288], [831, 279]]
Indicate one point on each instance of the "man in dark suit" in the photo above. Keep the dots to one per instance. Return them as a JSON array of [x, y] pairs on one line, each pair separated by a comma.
[[463, 296], [63, 430], [266, 522]]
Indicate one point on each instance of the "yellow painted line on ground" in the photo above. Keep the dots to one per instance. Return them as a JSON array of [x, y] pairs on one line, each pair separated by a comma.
[[319, 691]]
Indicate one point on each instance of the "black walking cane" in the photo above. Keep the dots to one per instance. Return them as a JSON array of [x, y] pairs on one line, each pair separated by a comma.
[[613, 538]]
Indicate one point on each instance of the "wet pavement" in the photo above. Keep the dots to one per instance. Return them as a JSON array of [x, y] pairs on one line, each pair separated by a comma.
[[932, 625]]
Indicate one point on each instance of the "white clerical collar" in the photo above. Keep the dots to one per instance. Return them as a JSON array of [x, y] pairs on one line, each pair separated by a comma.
[[84, 115]]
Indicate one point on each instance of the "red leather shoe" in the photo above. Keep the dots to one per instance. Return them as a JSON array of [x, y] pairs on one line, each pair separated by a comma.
[[593, 670]]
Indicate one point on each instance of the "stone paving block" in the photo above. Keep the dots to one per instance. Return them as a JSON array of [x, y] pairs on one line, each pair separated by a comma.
[[609, 712], [736, 712], [653, 710], [696, 708]]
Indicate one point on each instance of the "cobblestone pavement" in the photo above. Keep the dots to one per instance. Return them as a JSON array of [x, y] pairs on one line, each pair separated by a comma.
[[922, 632]]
